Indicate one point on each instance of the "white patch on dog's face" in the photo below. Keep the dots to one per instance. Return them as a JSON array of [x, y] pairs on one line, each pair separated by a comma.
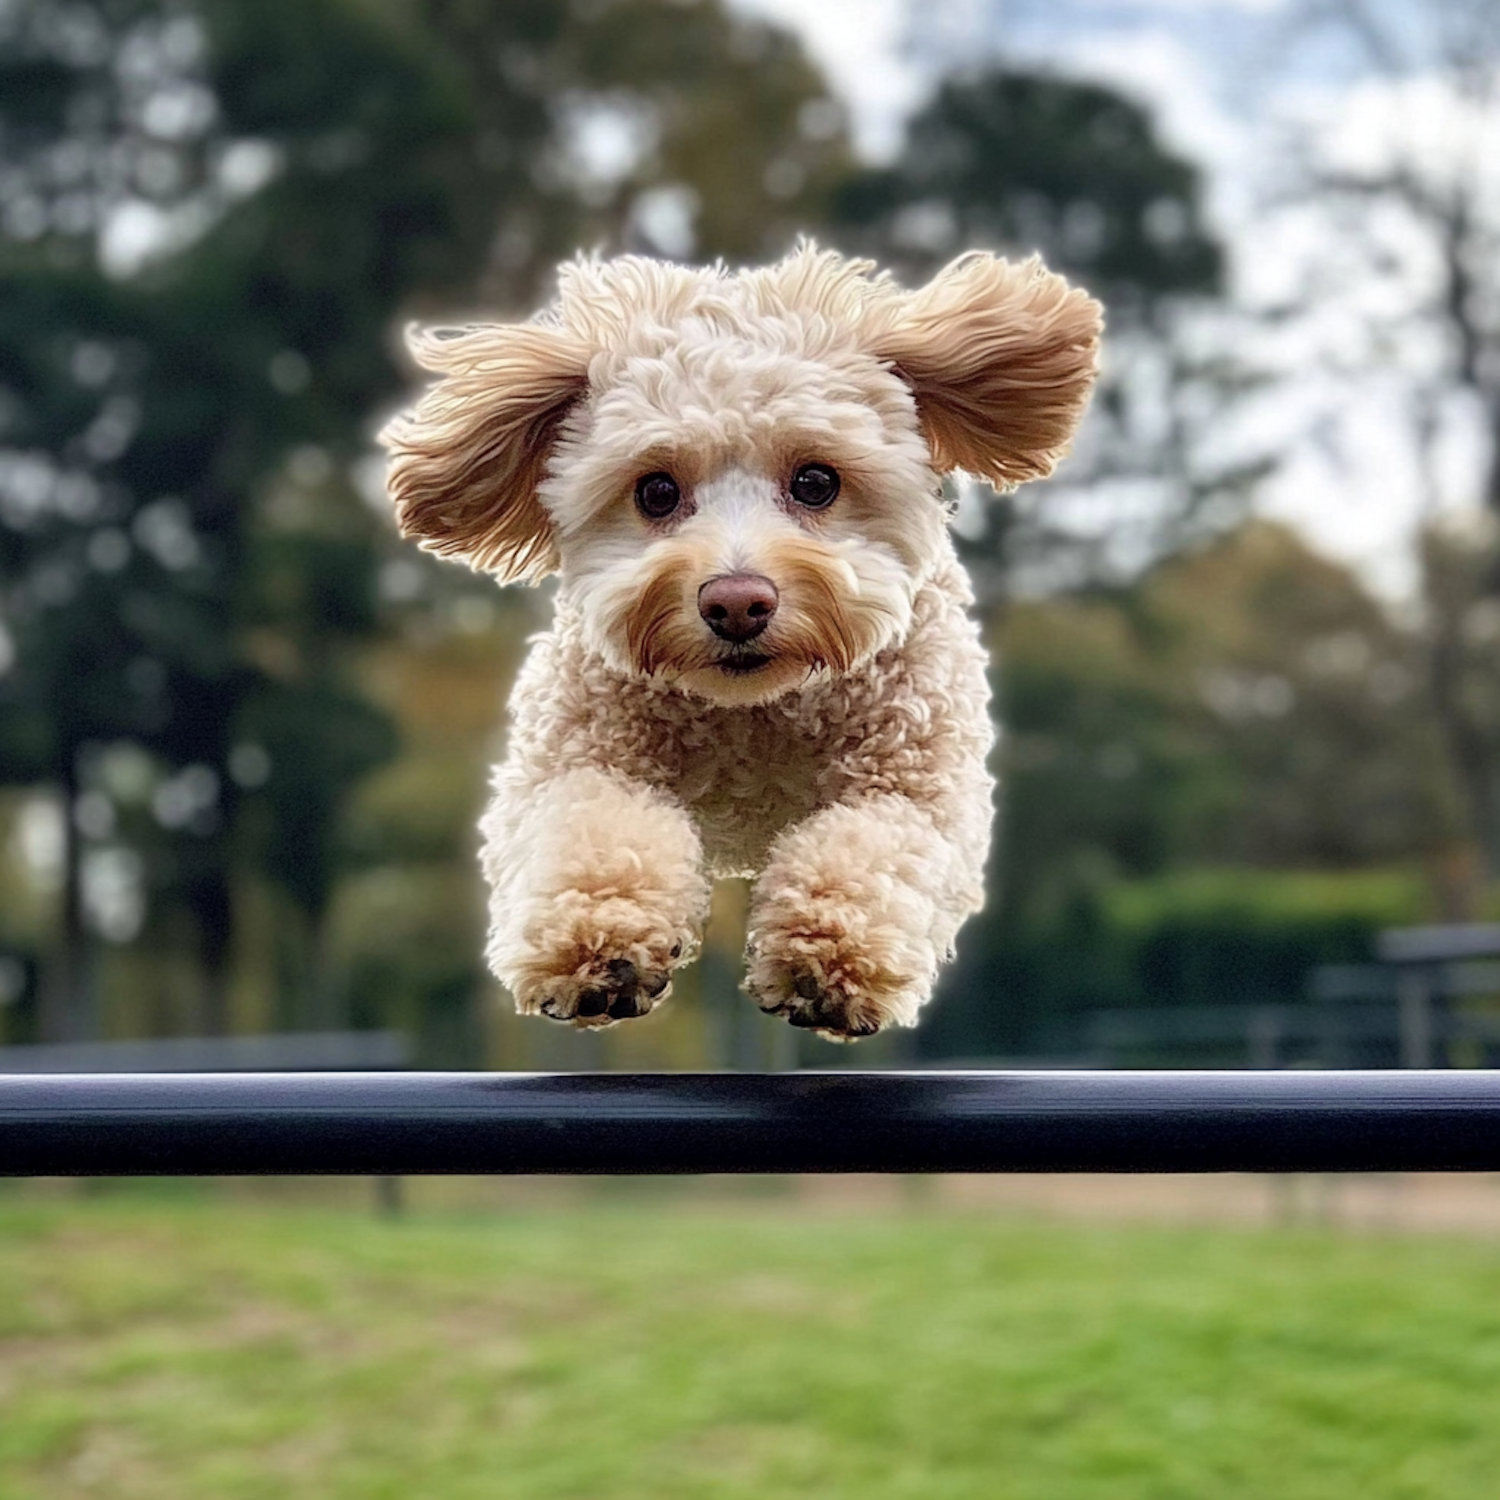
[[732, 420]]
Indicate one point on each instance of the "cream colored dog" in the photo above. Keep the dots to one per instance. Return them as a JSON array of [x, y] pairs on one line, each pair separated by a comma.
[[762, 662]]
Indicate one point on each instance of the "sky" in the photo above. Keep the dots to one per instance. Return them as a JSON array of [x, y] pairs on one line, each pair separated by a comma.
[[1237, 86]]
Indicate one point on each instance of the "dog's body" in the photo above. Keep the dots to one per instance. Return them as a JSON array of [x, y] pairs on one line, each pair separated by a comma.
[[762, 662]]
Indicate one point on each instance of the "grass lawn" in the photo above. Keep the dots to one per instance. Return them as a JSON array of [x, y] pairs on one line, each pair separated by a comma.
[[640, 1349]]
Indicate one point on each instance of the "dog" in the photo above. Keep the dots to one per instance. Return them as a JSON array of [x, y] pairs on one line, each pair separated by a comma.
[[762, 661]]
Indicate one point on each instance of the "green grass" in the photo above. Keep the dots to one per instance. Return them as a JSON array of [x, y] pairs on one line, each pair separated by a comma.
[[642, 1350]]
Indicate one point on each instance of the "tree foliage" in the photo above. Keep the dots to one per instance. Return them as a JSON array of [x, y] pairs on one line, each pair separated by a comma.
[[1395, 303], [1073, 171], [1030, 163], [1248, 706]]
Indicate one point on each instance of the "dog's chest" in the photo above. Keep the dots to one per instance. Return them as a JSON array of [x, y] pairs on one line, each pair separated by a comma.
[[744, 786], [742, 774]]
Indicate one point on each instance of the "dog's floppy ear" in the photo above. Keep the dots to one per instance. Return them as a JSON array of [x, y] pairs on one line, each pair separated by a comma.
[[467, 458], [1001, 358]]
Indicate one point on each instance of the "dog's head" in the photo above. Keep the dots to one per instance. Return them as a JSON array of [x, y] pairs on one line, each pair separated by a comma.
[[737, 475]]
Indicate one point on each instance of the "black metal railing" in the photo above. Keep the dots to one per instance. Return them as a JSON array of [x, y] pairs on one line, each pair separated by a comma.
[[418, 1123]]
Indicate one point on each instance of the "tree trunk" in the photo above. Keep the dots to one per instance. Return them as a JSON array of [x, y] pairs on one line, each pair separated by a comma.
[[63, 1011], [213, 910], [1470, 753]]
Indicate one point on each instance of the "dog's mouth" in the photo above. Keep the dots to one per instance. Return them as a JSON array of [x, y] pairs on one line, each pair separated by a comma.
[[743, 663]]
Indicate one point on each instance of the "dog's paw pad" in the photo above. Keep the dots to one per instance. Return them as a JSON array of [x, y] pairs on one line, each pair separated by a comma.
[[834, 1016], [618, 991]]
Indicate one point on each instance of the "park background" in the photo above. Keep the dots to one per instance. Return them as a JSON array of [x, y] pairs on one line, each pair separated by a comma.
[[1246, 650], [1246, 641]]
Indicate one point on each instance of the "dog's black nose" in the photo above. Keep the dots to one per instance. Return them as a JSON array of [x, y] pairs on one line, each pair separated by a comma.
[[738, 606]]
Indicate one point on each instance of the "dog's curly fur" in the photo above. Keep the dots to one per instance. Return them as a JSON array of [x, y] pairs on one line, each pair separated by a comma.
[[840, 761]]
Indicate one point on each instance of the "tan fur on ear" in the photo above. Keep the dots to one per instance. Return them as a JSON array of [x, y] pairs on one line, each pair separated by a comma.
[[1001, 358], [467, 459]]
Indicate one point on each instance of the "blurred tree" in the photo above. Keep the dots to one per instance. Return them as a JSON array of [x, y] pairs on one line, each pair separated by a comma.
[[735, 131], [1397, 293], [1460, 688], [673, 127], [115, 552], [1314, 699], [1248, 704], [1030, 161], [1026, 163], [162, 391]]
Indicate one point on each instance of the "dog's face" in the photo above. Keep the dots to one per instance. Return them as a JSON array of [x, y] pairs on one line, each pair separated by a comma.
[[736, 512], [738, 476]]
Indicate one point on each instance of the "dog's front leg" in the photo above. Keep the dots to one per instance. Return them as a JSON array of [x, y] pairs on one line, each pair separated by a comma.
[[597, 893], [858, 907]]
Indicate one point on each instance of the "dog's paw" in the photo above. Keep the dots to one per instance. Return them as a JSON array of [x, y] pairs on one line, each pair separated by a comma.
[[830, 985], [813, 1006], [614, 989], [592, 962], [824, 965]]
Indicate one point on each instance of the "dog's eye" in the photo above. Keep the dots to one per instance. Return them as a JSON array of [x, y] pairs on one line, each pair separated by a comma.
[[815, 485], [657, 496]]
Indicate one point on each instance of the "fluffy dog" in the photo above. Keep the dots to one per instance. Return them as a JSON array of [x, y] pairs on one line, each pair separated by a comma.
[[762, 662]]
